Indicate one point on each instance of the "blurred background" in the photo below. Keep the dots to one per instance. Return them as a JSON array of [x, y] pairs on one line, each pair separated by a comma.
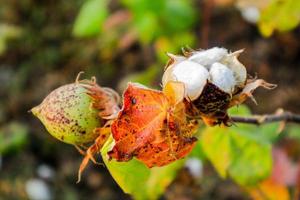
[[45, 44]]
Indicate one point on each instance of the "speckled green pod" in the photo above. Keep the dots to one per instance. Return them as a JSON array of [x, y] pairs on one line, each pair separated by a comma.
[[68, 115]]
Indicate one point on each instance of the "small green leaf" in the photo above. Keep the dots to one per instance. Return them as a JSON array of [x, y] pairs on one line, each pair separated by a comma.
[[90, 18], [136, 179]]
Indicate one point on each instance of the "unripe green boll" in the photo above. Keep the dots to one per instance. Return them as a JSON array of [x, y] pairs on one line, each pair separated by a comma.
[[68, 114]]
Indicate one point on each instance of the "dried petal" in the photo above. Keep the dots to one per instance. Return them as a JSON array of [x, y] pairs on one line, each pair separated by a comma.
[[249, 89]]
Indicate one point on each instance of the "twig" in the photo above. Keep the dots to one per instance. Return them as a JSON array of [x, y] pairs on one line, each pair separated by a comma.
[[263, 119]]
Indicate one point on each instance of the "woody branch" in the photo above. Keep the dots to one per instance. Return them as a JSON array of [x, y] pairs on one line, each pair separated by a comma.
[[281, 116]]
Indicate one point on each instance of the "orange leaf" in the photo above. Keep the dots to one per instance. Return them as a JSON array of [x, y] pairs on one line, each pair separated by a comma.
[[151, 128]]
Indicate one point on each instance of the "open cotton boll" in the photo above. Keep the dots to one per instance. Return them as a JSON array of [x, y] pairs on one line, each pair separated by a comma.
[[222, 76], [214, 80], [193, 75], [208, 57]]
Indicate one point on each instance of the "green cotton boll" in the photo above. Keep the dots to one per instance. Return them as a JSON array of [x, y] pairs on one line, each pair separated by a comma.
[[67, 114]]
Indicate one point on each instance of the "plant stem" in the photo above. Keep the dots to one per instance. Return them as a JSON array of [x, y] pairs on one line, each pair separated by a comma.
[[263, 119]]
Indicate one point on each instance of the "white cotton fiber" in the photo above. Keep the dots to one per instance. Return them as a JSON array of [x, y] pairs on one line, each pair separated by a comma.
[[222, 76]]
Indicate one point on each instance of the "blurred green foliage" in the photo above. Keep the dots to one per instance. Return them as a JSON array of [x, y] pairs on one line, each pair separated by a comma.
[[166, 24], [154, 19], [282, 15], [13, 137], [146, 77], [151, 19], [8, 32], [90, 18]]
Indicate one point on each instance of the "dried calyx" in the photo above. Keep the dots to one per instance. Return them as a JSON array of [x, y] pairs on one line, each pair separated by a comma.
[[214, 80]]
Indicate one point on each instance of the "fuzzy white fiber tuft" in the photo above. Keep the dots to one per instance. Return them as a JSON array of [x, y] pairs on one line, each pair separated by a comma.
[[222, 76], [209, 56], [193, 75]]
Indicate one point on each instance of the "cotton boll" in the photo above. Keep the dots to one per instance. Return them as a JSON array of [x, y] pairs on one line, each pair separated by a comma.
[[222, 76], [208, 57], [193, 75]]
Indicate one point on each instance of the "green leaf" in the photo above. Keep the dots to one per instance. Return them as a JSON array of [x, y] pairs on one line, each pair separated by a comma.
[[240, 152], [252, 161], [136, 179], [279, 15], [90, 18], [216, 144]]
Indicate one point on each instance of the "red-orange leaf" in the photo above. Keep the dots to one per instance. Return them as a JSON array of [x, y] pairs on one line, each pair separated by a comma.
[[151, 127]]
